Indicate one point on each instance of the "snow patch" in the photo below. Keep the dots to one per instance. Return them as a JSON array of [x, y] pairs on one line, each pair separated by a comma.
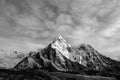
[[61, 45]]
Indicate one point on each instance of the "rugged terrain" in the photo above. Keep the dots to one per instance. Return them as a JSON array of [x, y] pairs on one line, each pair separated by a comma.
[[60, 56], [60, 61]]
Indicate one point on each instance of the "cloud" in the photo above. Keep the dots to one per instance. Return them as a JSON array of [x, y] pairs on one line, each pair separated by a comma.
[[34, 46], [30, 24], [27, 21], [113, 29]]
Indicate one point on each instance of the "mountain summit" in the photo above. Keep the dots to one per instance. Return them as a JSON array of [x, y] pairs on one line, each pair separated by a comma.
[[54, 57], [61, 45]]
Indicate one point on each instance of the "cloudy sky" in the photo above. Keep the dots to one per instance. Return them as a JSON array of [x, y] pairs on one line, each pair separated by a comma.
[[31, 24]]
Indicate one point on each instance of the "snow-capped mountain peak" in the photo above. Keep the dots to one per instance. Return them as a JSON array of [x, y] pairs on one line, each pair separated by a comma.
[[60, 56], [61, 45], [64, 41]]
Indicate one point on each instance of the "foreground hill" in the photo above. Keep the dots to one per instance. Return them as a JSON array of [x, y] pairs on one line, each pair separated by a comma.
[[43, 75]]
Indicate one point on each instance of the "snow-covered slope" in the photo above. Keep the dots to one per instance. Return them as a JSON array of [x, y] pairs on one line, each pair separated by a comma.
[[61, 45], [8, 59]]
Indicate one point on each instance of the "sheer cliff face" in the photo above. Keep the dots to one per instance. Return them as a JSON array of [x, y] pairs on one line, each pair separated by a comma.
[[60, 56]]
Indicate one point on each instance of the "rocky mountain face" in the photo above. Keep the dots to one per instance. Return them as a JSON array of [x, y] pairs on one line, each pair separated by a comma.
[[93, 60], [55, 57], [60, 56]]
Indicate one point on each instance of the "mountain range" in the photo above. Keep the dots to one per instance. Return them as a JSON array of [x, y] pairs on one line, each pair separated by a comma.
[[60, 56]]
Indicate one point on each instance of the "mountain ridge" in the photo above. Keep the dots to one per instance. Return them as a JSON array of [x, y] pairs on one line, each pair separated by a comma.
[[61, 56], [61, 60]]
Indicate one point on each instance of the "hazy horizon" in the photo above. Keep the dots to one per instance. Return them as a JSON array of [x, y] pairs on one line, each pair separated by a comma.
[[32, 24]]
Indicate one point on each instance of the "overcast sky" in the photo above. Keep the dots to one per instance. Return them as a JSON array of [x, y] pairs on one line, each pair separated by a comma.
[[31, 24]]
